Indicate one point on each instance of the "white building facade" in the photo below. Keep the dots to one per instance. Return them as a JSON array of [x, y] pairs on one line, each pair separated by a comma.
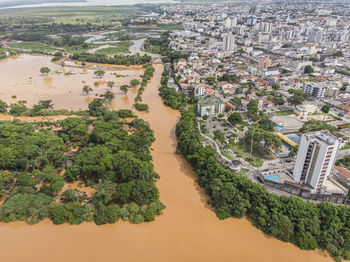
[[316, 158], [317, 91]]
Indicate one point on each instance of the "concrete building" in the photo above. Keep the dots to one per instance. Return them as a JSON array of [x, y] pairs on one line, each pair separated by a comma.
[[210, 106], [314, 89], [228, 22], [199, 90], [316, 157], [315, 36], [228, 42], [251, 20]]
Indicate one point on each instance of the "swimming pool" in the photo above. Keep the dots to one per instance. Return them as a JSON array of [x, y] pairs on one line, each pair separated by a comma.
[[278, 127], [294, 137], [274, 177]]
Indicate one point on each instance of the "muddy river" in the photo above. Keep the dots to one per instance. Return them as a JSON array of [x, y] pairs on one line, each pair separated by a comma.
[[188, 231]]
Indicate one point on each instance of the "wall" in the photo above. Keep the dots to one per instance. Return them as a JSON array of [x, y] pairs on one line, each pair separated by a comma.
[[303, 192]]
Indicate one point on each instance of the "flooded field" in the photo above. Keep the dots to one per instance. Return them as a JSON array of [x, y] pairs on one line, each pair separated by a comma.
[[188, 231], [20, 79]]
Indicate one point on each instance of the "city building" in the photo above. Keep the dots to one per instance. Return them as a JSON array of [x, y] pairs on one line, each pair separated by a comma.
[[316, 90], [228, 42], [210, 106], [315, 36], [251, 20], [316, 157]]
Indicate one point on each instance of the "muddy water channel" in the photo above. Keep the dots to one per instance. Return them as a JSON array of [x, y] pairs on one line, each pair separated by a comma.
[[188, 231]]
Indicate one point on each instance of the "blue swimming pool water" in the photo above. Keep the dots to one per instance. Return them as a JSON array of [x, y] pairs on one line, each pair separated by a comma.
[[274, 177], [278, 127], [294, 137]]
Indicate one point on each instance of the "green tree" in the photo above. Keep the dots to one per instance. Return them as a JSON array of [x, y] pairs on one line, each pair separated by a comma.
[[239, 90], [276, 86], [110, 84], [3, 107], [325, 109], [295, 100], [109, 96], [87, 89], [338, 53], [45, 70], [97, 107], [134, 82], [235, 118], [210, 80], [99, 73], [253, 108], [124, 88], [308, 69]]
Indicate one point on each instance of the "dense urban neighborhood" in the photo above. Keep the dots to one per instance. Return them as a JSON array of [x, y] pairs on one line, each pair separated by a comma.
[[261, 82]]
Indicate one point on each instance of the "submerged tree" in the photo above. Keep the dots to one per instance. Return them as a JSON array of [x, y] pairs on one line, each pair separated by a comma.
[[45, 70], [87, 89], [99, 73], [124, 88]]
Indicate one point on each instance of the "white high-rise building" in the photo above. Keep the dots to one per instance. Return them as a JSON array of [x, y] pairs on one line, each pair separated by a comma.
[[228, 22], [234, 22], [228, 42], [316, 157]]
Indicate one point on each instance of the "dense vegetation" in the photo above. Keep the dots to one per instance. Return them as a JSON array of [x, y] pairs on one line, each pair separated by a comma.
[[38, 161], [147, 75], [116, 60], [290, 219], [141, 107]]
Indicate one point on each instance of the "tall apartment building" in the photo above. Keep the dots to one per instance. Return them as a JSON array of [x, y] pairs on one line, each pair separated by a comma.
[[228, 42], [316, 90], [316, 157], [315, 36]]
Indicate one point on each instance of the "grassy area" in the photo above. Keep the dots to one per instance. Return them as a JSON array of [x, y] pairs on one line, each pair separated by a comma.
[[122, 47], [170, 26], [227, 155], [152, 49], [202, 138], [334, 117], [239, 150], [347, 146], [285, 113], [243, 171], [35, 47], [255, 161]]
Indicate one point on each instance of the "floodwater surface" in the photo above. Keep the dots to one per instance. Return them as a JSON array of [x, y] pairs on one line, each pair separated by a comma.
[[188, 231], [20, 79]]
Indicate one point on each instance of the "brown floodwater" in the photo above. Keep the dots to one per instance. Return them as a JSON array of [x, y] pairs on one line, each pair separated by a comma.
[[20, 77], [188, 231]]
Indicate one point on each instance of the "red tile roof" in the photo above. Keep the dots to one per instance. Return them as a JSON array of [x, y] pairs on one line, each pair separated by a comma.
[[343, 171]]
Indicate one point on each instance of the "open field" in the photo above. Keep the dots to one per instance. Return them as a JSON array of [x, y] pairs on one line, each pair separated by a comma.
[[36, 47], [121, 47]]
